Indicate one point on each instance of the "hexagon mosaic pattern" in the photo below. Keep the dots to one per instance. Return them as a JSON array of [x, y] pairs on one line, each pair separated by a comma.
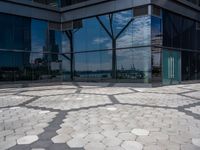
[[12, 100], [20, 125], [71, 101], [100, 116], [195, 109], [155, 99], [128, 127]]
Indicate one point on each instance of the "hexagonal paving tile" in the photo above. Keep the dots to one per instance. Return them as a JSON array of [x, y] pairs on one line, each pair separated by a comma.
[[79, 134], [4, 145], [13, 100], [109, 127], [21, 122], [195, 109], [106, 90], [111, 141], [166, 89], [125, 125], [140, 132], [74, 101], [196, 142], [49, 92], [44, 112], [155, 99], [114, 148], [27, 139], [194, 94], [77, 143], [132, 145], [94, 137], [11, 108], [94, 146], [61, 138], [127, 136], [110, 133], [192, 87], [111, 108]]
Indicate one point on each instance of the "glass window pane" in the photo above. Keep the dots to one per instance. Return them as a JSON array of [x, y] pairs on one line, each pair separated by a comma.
[[178, 31], [137, 34], [55, 41], [198, 66], [80, 66], [120, 20], [39, 34], [65, 66], [7, 68], [15, 32], [91, 36], [66, 43], [190, 65], [93, 65], [134, 64], [142, 31]]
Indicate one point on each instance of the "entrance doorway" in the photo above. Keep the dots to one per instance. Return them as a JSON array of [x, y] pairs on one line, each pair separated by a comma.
[[171, 67]]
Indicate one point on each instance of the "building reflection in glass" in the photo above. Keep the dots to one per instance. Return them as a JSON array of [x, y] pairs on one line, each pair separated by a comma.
[[134, 64]]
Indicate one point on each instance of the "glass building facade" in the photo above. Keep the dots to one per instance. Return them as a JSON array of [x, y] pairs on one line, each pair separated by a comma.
[[144, 44], [182, 35], [29, 50]]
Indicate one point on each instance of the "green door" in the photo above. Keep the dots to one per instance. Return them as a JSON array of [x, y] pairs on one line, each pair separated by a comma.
[[171, 67]]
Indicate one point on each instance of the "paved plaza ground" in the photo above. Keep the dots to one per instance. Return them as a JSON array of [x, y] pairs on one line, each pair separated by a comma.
[[91, 116]]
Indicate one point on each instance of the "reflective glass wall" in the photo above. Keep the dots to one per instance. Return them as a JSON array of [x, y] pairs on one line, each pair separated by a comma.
[[30, 51], [156, 49], [183, 34], [15, 43], [113, 46], [45, 61]]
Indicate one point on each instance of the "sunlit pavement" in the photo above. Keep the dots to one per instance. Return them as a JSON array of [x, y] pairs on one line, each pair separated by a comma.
[[94, 116]]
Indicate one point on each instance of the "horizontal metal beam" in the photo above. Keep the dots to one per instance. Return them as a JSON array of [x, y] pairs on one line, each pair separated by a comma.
[[101, 8], [91, 8], [81, 11], [20, 9], [33, 4]]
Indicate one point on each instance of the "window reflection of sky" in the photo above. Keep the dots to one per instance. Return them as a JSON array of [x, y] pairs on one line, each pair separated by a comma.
[[156, 26], [137, 34], [93, 37], [38, 39]]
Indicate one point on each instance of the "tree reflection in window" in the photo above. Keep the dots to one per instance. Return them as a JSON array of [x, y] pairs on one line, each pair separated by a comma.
[[75, 26], [116, 24]]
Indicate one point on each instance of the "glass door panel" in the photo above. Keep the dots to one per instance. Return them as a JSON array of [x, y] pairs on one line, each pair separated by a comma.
[[176, 67], [166, 67], [171, 67]]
